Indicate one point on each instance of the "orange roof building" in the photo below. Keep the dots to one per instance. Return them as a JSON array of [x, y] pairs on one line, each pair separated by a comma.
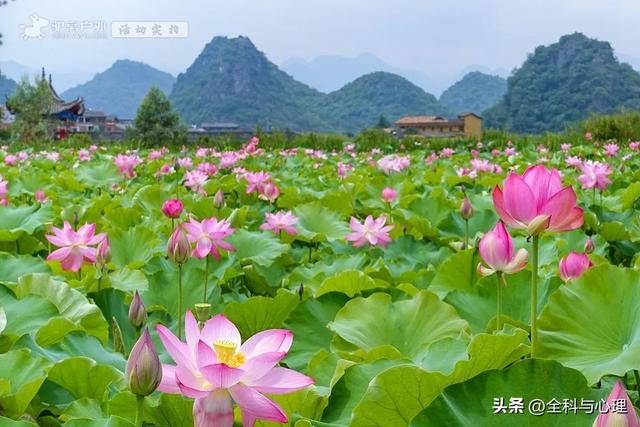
[[466, 125]]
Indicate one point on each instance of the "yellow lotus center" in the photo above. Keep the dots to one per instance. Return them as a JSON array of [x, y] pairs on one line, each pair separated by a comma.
[[226, 353]]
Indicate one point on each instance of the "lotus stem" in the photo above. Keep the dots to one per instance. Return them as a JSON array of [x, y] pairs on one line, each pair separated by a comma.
[[636, 374], [180, 301], [534, 295], [501, 282], [466, 234], [139, 410], [206, 278]]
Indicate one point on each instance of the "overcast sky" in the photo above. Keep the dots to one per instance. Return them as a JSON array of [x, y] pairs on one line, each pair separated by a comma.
[[438, 37]]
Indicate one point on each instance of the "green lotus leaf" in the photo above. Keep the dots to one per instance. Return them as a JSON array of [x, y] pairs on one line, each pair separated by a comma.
[[472, 403], [591, 324], [112, 421], [14, 266], [305, 404], [83, 408], [171, 410], [350, 283], [259, 313], [71, 304], [102, 174], [15, 221], [83, 377], [317, 223], [458, 272], [21, 375], [128, 280], [262, 248], [396, 395], [408, 326], [308, 322], [350, 388], [134, 247]]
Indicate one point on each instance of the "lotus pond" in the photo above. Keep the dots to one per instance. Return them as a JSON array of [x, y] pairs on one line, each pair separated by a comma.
[[301, 287]]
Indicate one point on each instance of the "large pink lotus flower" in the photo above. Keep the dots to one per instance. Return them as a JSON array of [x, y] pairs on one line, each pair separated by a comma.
[[536, 201], [394, 163], [280, 221], [216, 369], [573, 265], [497, 251], [620, 410], [75, 247], [371, 231], [595, 175], [126, 164], [209, 236]]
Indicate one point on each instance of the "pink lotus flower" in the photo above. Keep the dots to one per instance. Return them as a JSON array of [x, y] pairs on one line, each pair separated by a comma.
[[565, 147], [595, 175], [510, 151], [208, 168], [216, 369], [497, 251], [84, 155], [573, 265], [40, 196], [620, 410], [536, 201], [10, 160], [75, 247], [256, 181], [394, 163], [573, 161], [343, 169], [389, 195], [611, 150], [371, 231], [126, 164], [195, 180], [172, 208], [154, 155], [447, 152], [280, 221], [588, 136], [269, 192], [185, 162], [4, 192], [209, 236], [634, 145]]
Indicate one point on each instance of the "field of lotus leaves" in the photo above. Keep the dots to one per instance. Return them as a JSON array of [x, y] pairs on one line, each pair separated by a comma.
[[484, 285]]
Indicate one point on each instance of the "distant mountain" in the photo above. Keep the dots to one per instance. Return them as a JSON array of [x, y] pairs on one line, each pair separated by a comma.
[[120, 89], [7, 87], [328, 73], [62, 79], [564, 82], [360, 103], [232, 81], [475, 93]]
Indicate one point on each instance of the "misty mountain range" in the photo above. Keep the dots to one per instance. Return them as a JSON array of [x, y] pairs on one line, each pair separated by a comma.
[[231, 80]]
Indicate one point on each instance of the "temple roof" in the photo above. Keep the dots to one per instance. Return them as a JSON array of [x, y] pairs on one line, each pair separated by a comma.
[[60, 106]]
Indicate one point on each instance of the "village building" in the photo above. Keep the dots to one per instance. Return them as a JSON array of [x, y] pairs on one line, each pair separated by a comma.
[[466, 125]]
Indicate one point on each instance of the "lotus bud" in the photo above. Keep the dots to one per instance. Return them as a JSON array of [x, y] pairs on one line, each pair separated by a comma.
[[389, 195], [203, 312], [466, 210], [116, 332], [573, 265], [144, 371], [270, 192], [589, 246], [103, 252], [178, 248], [218, 199], [137, 312], [624, 416], [497, 251], [172, 208]]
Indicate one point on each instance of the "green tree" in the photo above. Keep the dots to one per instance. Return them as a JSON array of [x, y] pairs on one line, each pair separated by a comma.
[[383, 122], [31, 104], [156, 122]]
